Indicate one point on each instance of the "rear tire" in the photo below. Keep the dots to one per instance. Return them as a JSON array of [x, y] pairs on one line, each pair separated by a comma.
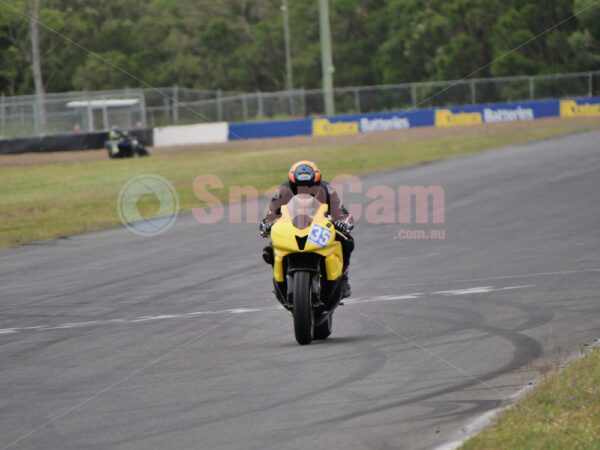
[[324, 330], [302, 307]]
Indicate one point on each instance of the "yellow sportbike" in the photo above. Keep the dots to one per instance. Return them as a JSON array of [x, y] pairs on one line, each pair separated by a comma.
[[308, 264]]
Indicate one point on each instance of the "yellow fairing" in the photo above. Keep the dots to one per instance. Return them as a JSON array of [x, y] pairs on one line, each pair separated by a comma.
[[283, 235]]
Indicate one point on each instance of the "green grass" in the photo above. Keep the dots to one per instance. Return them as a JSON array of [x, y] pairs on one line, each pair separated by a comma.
[[563, 412], [46, 201]]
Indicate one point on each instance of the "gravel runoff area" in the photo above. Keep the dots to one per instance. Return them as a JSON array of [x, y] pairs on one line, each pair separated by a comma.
[[421, 133]]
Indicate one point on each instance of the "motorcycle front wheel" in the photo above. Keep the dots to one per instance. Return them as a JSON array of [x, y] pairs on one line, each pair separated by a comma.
[[302, 307]]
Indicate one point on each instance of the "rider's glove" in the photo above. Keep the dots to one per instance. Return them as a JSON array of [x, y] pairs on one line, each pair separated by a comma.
[[343, 226], [265, 228]]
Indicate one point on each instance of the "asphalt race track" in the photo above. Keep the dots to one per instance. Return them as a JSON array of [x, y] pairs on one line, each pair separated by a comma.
[[113, 341]]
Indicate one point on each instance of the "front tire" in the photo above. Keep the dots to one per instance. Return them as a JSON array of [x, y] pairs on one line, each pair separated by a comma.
[[302, 307]]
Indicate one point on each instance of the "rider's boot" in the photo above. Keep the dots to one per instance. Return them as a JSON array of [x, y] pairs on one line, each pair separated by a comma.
[[346, 291]]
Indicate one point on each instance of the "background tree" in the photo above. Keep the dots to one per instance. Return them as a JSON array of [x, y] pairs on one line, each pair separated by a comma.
[[585, 40], [237, 45]]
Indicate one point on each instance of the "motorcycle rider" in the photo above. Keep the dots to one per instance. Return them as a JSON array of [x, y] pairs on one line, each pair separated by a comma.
[[114, 137], [122, 145], [304, 177]]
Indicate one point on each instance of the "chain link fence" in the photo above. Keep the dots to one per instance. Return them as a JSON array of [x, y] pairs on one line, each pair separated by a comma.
[[140, 108]]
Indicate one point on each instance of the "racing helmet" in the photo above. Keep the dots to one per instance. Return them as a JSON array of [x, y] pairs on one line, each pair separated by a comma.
[[304, 173]]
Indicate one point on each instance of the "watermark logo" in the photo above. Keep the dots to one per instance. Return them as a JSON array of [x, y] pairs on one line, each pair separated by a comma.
[[404, 205], [144, 186]]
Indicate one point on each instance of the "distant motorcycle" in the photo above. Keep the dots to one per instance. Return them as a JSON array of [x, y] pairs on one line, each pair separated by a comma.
[[125, 147]]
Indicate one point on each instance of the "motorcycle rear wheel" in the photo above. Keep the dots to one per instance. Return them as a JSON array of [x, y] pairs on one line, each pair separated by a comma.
[[302, 307]]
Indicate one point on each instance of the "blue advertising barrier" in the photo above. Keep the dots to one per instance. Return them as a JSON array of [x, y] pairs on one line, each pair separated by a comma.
[[439, 117], [280, 128]]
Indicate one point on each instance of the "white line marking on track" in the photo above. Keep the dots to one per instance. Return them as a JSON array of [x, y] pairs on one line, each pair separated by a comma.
[[147, 319], [161, 317], [508, 288], [504, 277], [243, 310], [475, 290], [383, 298], [481, 290], [135, 320]]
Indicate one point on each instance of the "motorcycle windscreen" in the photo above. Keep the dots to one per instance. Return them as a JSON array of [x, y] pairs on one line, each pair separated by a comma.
[[302, 209]]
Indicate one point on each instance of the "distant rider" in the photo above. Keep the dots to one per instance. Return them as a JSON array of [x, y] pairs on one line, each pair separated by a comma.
[[114, 138], [304, 178]]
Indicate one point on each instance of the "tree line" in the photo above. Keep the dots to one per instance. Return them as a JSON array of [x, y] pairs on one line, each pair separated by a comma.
[[238, 45]]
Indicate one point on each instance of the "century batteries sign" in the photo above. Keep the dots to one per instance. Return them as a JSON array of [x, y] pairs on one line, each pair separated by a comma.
[[579, 108], [394, 123], [447, 117], [507, 115], [326, 127]]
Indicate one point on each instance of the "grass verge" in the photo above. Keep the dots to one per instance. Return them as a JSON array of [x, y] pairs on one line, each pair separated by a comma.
[[41, 202], [563, 412]]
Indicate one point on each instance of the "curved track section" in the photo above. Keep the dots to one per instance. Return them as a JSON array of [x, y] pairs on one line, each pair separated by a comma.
[[109, 340]]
